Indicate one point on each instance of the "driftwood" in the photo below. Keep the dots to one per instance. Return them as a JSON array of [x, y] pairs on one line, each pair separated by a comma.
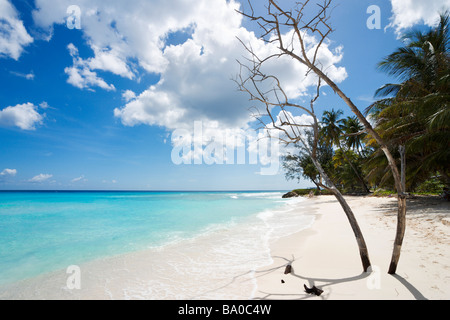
[[288, 269], [313, 290]]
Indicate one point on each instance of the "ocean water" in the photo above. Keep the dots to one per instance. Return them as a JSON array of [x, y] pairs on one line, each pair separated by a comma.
[[41, 232]]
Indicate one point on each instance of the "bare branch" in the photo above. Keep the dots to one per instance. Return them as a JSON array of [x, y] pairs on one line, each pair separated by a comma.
[[268, 92]]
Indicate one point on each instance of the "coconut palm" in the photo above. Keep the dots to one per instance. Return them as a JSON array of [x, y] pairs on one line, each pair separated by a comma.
[[332, 133], [354, 133], [297, 166], [415, 112]]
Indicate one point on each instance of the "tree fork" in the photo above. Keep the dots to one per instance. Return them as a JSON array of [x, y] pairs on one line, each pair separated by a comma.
[[401, 215]]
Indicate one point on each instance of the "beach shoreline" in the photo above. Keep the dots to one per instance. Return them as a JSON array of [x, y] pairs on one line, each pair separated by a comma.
[[322, 253], [218, 263], [327, 256]]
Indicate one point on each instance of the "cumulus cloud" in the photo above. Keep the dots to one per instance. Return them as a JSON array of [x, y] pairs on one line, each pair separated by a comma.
[[110, 60], [288, 132], [8, 172], [195, 73], [128, 95], [152, 107], [13, 35], [40, 178], [24, 116], [196, 83], [122, 31], [80, 74], [406, 14]]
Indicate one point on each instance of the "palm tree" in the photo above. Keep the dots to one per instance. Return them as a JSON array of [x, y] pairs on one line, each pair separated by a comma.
[[354, 133], [300, 165], [343, 173], [331, 132], [414, 113]]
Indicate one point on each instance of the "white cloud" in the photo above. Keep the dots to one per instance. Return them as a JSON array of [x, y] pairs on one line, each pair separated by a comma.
[[286, 117], [121, 31], [41, 178], [110, 60], [28, 76], [408, 13], [8, 172], [195, 74], [152, 107], [79, 179], [13, 35], [196, 83], [44, 105], [80, 74], [23, 116], [128, 95]]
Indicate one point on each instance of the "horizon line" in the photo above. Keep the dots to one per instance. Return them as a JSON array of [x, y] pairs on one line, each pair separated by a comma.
[[130, 190]]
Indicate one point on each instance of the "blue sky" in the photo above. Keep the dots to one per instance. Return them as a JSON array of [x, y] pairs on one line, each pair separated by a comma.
[[96, 107]]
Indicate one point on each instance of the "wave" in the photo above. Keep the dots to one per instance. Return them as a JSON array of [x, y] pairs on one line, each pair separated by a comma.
[[201, 262], [257, 195], [233, 250]]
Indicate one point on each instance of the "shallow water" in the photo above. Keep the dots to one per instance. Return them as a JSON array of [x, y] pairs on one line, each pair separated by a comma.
[[142, 245]]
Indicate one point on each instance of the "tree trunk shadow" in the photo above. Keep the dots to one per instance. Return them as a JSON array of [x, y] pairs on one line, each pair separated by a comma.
[[325, 282], [416, 293]]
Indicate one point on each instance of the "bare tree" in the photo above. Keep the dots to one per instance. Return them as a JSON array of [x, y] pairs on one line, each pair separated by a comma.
[[272, 24], [267, 90]]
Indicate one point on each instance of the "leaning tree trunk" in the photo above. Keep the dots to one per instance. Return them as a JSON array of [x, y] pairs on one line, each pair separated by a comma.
[[400, 234], [317, 185], [402, 151], [401, 216], [292, 21], [363, 252]]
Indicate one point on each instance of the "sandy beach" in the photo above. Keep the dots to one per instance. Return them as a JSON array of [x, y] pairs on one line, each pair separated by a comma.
[[326, 255]]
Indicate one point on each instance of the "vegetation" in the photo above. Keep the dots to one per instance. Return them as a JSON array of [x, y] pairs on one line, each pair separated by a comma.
[[415, 113], [306, 192], [412, 114], [409, 123]]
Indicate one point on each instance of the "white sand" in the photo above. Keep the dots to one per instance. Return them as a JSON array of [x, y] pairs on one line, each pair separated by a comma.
[[327, 256], [221, 265], [218, 264]]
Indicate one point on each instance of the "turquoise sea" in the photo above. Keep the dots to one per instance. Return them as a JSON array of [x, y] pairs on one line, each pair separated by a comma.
[[45, 231]]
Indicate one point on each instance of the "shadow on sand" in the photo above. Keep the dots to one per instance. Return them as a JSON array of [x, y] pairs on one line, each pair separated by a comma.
[[325, 282], [302, 295]]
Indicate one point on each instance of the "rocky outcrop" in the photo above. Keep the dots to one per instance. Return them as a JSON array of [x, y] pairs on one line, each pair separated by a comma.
[[290, 194]]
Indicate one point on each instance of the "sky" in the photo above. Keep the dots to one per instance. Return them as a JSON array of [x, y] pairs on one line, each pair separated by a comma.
[[120, 95]]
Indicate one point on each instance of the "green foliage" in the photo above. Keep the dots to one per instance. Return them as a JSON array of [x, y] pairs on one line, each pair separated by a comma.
[[384, 193], [343, 166], [303, 192], [430, 186], [415, 112], [298, 166], [306, 192]]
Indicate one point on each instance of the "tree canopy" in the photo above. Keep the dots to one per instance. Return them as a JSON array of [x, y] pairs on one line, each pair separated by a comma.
[[413, 113]]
